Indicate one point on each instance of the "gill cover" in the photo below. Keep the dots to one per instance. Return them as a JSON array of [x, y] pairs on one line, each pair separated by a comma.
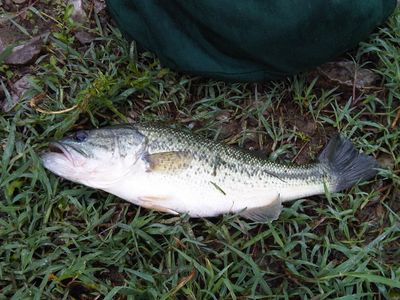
[[98, 157]]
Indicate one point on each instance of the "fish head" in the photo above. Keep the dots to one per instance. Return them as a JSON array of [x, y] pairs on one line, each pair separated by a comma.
[[98, 157]]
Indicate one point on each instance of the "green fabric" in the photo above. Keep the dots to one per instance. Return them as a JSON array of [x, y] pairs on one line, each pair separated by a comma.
[[248, 40]]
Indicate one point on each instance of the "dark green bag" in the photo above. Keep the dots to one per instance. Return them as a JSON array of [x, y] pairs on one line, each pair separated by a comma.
[[248, 40]]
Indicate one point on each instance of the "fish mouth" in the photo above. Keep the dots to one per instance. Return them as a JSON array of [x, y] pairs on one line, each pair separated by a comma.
[[59, 149]]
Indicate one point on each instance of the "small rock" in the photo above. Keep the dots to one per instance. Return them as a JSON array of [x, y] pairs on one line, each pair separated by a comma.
[[26, 53], [17, 91], [304, 125], [229, 129], [223, 116], [9, 37], [386, 161], [2, 45], [78, 14], [99, 6], [84, 37], [347, 74], [21, 85]]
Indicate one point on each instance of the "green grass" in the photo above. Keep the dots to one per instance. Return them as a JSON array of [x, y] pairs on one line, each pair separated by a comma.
[[60, 240]]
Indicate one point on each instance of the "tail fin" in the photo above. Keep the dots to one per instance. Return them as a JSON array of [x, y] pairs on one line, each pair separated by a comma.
[[346, 163]]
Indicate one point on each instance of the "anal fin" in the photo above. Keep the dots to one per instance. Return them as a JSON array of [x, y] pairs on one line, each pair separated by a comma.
[[155, 203], [262, 214]]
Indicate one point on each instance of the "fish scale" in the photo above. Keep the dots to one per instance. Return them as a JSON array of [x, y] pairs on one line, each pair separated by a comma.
[[243, 164], [173, 171]]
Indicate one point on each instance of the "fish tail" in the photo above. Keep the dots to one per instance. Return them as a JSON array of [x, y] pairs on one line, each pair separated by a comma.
[[346, 164]]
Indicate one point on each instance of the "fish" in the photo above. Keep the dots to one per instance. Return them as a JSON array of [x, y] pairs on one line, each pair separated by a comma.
[[178, 172]]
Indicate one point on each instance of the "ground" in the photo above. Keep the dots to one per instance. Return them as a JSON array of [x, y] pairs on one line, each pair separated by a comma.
[[63, 240]]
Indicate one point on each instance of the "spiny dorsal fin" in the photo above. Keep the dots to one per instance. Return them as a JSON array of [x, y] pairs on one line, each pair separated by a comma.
[[264, 214], [168, 161]]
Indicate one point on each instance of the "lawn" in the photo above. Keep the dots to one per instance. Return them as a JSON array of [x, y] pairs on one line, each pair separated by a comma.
[[60, 240]]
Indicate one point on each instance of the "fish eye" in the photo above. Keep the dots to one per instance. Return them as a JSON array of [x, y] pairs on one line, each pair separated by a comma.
[[80, 136]]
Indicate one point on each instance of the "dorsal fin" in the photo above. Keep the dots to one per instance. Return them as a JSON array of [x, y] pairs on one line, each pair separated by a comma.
[[168, 161]]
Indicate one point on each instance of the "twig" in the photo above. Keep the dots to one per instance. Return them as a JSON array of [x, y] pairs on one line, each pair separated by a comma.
[[396, 120], [300, 151], [34, 104], [91, 8], [354, 85], [183, 282], [56, 112], [35, 99]]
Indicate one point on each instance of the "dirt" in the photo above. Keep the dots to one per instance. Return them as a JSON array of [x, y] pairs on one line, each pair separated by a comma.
[[28, 40], [312, 136]]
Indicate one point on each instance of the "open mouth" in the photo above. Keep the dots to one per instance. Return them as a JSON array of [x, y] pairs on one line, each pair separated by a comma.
[[60, 149]]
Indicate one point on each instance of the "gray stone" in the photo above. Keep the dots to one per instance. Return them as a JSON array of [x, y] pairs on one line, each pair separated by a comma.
[[21, 85], [346, 73], [2, 45], [78, 15], [84, 37], [25, 53], [99, 6], [9, 37], [18, 89]]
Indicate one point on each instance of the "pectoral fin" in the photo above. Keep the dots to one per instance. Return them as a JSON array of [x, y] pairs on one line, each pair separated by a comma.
[[168, 161], [264, 214]]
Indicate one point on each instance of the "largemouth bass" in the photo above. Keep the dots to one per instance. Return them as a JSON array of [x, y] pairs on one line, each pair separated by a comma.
[[176, 172]]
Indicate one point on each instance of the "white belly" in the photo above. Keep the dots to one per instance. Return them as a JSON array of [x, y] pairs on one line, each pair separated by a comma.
[[177, 194]]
